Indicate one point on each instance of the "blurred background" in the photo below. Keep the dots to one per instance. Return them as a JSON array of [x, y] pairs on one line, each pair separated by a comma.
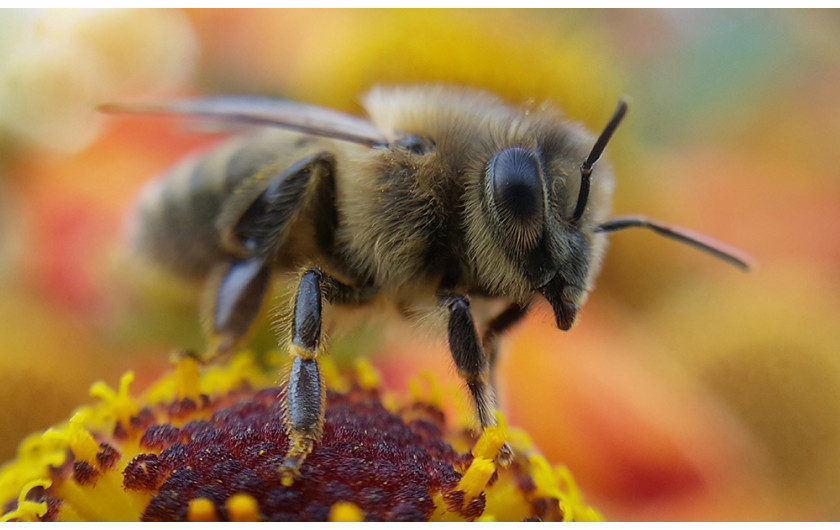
[[688, 390]]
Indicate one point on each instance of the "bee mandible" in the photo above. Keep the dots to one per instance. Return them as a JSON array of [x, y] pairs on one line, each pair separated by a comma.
[[444, 193]]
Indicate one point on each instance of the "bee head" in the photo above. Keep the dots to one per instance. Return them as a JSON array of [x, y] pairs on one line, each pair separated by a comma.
[[547, 250], [533, 222]]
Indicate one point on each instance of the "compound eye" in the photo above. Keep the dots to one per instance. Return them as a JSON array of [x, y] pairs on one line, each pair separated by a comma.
[[516, 182]]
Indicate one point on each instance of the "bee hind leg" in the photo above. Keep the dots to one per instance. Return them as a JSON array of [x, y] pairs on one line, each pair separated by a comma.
[[505, 320], [472, 364], [305, 390]]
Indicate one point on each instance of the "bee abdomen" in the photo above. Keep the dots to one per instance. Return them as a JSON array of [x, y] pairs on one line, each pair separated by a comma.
[[175, 219]]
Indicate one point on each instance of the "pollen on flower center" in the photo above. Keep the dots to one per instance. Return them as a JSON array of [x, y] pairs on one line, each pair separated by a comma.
[[205, 444]]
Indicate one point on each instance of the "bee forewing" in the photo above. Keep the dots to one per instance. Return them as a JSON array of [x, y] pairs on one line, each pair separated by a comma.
[[301, 117]]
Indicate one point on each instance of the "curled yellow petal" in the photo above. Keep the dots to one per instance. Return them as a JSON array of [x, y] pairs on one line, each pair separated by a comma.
[[187, 379], [120, 402], [476, 478], [28, 510]]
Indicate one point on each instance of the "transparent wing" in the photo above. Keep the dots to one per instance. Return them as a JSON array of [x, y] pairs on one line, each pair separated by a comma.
[[302, 117]]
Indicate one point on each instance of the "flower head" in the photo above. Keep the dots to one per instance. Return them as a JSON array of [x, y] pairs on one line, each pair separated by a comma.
[[206, 444]]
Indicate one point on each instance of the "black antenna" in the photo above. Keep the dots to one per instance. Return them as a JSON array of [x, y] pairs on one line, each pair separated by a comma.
[[594, 155], [707, 244]]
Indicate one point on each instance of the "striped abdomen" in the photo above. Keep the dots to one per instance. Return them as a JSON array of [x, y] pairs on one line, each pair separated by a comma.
[[175, 219]]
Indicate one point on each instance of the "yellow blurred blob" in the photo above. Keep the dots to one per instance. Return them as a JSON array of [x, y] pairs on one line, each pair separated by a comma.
[[201, 510], [242, 508], [346, 512], [63, 63]]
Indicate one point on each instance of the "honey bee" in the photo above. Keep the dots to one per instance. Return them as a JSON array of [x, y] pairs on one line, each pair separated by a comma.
[[443, 192]]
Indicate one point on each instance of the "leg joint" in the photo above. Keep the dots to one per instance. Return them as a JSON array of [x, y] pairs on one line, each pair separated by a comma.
[[463, 340]]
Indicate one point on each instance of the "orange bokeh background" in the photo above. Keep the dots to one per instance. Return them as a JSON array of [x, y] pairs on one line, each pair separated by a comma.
[[686, 391]]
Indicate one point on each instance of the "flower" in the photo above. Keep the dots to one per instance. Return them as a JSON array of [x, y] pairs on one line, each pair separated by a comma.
[[205, 444]]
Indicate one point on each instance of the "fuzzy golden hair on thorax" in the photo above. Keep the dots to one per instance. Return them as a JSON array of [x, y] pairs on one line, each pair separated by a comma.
[[468, 128]]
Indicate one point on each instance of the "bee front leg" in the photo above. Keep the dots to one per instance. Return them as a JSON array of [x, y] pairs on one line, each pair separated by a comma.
[[472, 363], [305, 391]]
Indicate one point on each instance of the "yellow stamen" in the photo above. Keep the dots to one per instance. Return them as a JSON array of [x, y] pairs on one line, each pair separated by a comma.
[[275, 358], [442, 513], [414, 389], [434, 388], [68, 514], [201, 510], [583, 512], [547, 486], [187, 379], [544, 478], [104, 497], [120, 401], [346, 512], [105, 501], [332, 377], [521, 439], [369, 378], [564, 476], [28, 510], [391, 403], [76, 437], [242, 508], [82, 444], [216, 380], [476, 478], [491, 440], [40, 451]]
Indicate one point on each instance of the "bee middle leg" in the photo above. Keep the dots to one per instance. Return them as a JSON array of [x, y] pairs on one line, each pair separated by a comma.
[[494, 330], [472, 363], [251, 232], [237, 296]]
